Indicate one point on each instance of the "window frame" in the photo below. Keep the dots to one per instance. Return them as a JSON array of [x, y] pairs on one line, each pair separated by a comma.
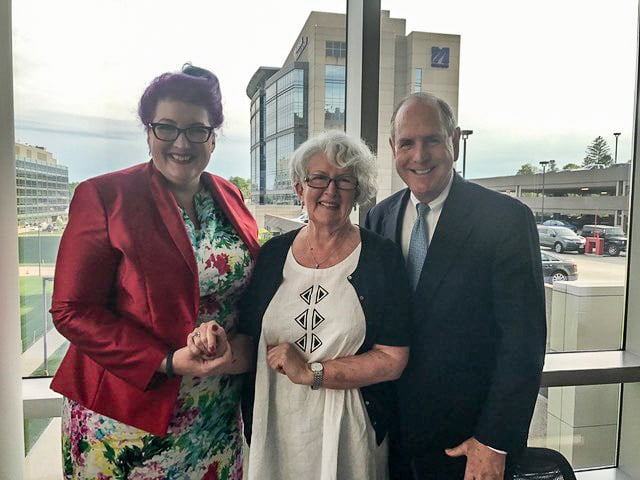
[[561, 369]]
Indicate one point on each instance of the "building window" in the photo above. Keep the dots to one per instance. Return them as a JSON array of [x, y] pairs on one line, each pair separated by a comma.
[[336, 49], [417, 86], [334, 97]]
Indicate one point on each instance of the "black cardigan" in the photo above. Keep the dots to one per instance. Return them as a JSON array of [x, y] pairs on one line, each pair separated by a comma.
[[381, 283]]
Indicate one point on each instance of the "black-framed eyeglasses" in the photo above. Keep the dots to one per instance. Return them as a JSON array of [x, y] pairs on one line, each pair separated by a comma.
[[170, 133], [342, 182]]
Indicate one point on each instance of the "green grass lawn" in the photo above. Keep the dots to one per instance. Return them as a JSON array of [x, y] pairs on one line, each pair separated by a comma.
[[32, 308]]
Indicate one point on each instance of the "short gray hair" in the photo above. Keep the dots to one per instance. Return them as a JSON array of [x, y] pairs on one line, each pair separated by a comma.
[[447, 118], [342, 151]]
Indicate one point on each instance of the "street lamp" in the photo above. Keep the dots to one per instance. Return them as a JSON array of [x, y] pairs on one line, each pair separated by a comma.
[[465, 134], [615, 156], [544, 164]]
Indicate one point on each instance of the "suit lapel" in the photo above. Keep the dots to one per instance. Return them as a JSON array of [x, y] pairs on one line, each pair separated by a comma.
[[452, 232], [172, 219], [392, 219]]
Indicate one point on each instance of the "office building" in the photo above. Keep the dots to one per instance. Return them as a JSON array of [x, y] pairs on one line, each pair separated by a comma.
[[307, 95], [42, 185]]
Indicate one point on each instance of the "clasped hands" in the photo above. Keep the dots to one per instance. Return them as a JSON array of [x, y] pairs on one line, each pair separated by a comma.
[[208, 352]]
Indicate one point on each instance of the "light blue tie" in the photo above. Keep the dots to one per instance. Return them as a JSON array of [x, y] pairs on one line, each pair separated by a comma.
[[418, 245]]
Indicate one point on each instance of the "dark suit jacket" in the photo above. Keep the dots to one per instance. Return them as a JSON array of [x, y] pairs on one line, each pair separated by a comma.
[[479, 323], [126, 291]]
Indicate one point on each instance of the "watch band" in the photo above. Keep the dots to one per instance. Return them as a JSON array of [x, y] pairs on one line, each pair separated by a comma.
[[318, 376]]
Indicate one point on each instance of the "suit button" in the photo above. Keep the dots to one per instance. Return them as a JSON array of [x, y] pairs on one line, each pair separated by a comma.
[[361, 298], [366, 402], [349, 277]]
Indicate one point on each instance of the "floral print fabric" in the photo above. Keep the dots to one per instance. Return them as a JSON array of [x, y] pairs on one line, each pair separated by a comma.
[[204, 440]]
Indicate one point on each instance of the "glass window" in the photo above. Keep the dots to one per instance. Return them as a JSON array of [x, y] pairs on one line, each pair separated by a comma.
[[532, 136], [334, 97], [417, 87], [74, 123], [503, 149], [581, 422], [336, 49]]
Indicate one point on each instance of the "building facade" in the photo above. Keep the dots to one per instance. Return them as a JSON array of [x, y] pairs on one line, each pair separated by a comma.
[[307, 95], [580, 197], [42, 185]]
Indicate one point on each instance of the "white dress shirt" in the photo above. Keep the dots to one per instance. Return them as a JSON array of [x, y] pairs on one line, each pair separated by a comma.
[[433, 215]]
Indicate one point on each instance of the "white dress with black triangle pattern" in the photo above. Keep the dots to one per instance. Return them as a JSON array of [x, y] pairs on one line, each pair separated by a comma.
[[299, 433]]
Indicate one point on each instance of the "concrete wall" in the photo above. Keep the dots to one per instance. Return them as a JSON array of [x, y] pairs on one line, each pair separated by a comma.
[[582, 421], [286, 211]]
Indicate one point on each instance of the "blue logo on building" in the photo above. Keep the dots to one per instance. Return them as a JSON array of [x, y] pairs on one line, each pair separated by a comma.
[[440, 57]]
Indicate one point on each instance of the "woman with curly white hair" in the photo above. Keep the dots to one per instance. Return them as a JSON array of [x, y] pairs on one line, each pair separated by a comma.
[[328, 309]]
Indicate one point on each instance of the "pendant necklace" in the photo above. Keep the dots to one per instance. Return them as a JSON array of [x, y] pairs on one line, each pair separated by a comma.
[[318, 263]]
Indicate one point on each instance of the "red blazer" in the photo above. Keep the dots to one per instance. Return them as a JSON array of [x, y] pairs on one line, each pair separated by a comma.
[[126, 291]]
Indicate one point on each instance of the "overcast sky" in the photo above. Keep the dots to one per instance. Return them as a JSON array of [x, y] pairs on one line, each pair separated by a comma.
[[538, 80]]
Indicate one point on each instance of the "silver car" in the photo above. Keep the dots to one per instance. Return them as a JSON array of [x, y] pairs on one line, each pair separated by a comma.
[[555, 269], [560, 239]]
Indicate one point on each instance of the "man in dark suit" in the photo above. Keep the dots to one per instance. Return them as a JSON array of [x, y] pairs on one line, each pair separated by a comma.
[[467, 396]]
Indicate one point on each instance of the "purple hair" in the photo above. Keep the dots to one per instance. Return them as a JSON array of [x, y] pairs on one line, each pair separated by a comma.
[[193, 85]]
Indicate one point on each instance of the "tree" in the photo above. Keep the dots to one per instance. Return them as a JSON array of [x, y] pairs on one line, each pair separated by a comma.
[[552, 167], [243, 184], [527, 169], [598, 153], [570, 166], [72, 189]]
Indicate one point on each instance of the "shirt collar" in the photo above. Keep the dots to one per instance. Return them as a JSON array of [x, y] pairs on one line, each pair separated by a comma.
[[437, 203]]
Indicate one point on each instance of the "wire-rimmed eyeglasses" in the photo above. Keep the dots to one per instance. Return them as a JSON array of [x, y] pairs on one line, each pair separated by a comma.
[[170, 133]]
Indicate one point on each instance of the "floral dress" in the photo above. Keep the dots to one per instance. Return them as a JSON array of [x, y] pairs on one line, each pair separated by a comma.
[[204, 440]]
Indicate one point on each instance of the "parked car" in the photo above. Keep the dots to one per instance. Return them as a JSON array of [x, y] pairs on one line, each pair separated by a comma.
[[560, 223], [303, 217], [615, 240], [560, 239], [555, 269]]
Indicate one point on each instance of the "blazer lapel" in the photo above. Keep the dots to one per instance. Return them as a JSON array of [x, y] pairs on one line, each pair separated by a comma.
[[172, 218], [452, 232], [392, 220]]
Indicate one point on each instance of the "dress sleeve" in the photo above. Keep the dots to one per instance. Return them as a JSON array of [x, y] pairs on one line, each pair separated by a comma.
[[83, 306]]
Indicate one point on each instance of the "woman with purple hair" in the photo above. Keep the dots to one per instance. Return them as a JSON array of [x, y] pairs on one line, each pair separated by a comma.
[[150, 268]]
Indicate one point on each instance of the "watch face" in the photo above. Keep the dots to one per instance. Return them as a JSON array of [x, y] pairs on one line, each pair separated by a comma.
[[317, 367]]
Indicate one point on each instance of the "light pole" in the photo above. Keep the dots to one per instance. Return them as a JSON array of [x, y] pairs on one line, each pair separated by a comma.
[[544, 164], [615, 156], [465, 134]]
